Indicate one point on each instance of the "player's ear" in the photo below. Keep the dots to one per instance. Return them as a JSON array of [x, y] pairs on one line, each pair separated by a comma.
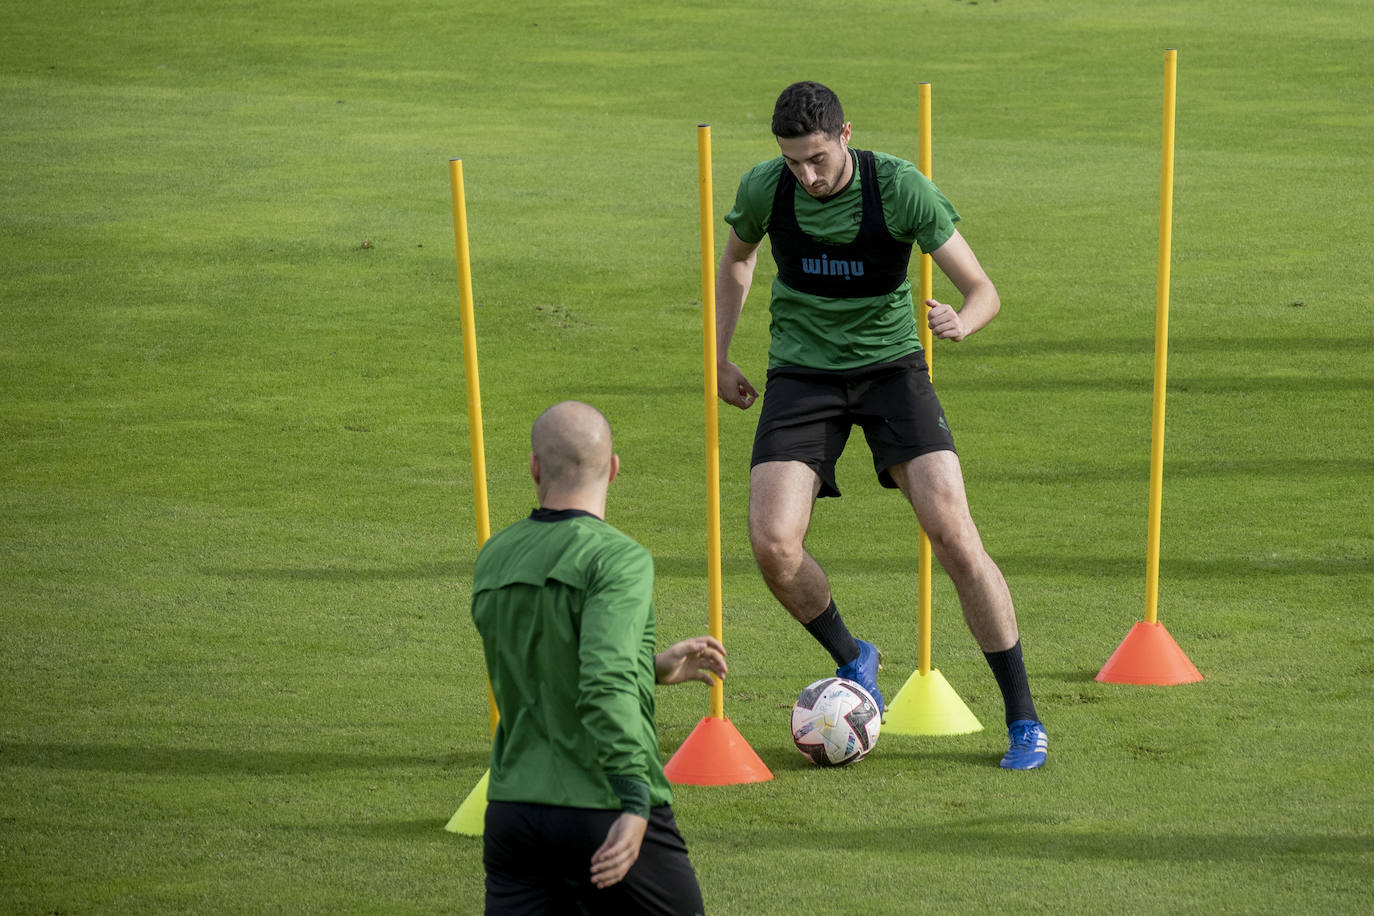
[[844, 134], [534, 468], [615, 467]]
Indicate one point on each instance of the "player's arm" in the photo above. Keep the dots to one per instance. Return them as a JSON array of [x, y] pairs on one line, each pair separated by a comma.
[[957, 261], [613, 627], [617, 602], [733, 279]]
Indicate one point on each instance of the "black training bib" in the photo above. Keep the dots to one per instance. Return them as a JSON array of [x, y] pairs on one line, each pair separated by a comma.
[[873, 264]]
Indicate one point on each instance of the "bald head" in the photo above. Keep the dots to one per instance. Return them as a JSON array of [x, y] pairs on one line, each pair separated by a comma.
[[571, 442]]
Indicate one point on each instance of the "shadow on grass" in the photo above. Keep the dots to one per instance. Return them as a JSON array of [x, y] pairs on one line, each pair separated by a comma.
[[117, 758], [1072, 677], [695, 568], [1031, 564], [922, 753], [1020, 838], [423, 829], [1323, 385], [1174, 469], [783, 758], [1145, 346], [638, 391], [444, 570]]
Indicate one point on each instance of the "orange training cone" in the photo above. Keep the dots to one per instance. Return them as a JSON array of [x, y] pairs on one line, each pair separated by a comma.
[[1148, 655], [716, 754]]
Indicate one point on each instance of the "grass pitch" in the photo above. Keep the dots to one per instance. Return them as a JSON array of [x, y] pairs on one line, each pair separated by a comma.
[[236, 515]]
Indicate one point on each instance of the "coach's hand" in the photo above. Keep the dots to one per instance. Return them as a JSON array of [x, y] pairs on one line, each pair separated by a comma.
[[612, 861], [733, 387], [694, 659]]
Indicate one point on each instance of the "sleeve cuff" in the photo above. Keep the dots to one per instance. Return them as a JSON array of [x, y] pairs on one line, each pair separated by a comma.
[[633, 794]]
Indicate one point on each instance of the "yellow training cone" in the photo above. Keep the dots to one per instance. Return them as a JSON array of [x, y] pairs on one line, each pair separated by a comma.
[[927, 705], [471, 815]]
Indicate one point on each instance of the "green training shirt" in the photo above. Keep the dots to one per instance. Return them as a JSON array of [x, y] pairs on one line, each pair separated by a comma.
[[564, 604], [822, 333]]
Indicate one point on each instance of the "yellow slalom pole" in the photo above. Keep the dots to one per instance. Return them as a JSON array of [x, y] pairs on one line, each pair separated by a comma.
[[1166, 207], [926, 704], [708, 349], [469, 819], [1148, 654], [927, 282], [715, 753], [469, 328], [479, 460]]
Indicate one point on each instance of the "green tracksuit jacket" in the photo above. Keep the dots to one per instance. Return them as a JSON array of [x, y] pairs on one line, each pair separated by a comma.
[[564, 605]]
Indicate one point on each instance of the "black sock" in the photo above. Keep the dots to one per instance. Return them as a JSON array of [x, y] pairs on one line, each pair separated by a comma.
[[830, 631], [1010, 672]]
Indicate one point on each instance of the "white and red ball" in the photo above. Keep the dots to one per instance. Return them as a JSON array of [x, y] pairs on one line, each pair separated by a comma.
[[835, 722]]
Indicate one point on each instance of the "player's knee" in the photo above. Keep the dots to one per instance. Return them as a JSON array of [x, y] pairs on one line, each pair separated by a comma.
[[776, 551], [960, 552]]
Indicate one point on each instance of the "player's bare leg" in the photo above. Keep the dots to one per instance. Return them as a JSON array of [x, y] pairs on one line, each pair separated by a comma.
[[934, 485], [781, 495]]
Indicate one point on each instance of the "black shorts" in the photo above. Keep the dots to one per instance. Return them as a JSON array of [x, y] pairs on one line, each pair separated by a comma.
[[538, 859], [807, 415]]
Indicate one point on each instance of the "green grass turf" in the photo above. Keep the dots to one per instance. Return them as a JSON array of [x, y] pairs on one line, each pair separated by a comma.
[[236, 516]]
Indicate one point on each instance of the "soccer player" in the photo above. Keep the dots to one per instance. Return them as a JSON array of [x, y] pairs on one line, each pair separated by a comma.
[[578, 812], [845, 351]]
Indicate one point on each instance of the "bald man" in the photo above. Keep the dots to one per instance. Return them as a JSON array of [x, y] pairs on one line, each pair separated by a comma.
[[579, 815]]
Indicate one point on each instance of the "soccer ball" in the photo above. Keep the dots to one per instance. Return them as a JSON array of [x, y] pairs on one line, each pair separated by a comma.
[[835, 722]]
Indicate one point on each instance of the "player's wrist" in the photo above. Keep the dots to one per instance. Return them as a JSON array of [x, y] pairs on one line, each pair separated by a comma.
[[633, 794]]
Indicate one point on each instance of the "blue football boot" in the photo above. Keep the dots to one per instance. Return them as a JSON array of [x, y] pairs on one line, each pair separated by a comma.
[[1030, 745], [863, 671]]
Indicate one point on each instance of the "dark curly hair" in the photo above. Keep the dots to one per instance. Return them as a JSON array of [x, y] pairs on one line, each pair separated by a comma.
[[807, 108]]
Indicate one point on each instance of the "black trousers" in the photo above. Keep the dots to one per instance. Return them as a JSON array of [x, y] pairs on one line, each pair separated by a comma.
[[538, 859]]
